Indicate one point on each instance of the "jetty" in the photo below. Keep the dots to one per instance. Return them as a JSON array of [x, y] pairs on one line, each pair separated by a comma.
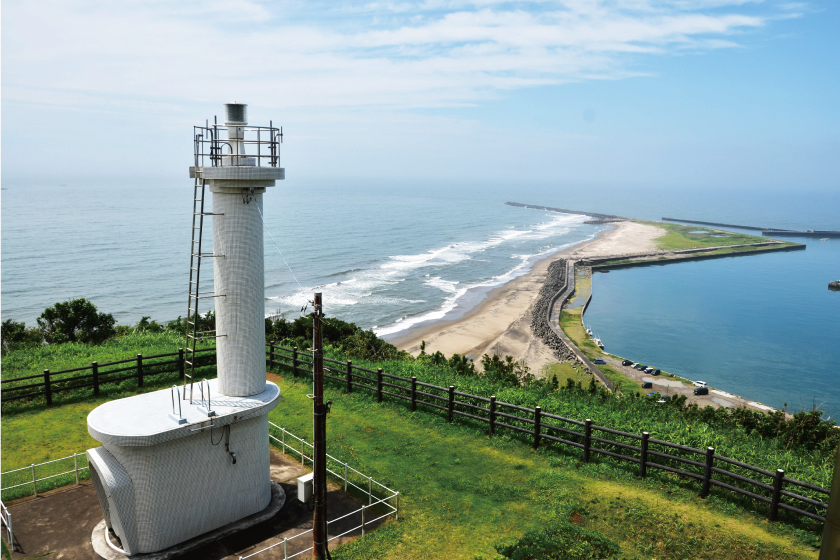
[[766, 231], [600, 217]]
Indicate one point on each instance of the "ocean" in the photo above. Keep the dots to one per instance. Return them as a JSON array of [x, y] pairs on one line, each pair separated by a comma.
[[391, 255]]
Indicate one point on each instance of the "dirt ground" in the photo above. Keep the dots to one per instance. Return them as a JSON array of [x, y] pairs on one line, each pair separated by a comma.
[[58, 524]]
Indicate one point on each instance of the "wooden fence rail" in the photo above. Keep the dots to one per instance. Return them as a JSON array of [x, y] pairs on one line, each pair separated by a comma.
[[53, 382], [702, 465]]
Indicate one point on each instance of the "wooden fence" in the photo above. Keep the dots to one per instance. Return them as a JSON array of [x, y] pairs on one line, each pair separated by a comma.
[[704, 466], [701, 465], [51, 382]]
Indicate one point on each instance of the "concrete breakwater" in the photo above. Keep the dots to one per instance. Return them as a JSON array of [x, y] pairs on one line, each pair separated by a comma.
[[601, 218], [685, 255], [767, 231], [555, 283]]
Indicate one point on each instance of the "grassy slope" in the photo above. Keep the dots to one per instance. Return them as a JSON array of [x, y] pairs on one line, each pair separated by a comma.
[[462, 492]]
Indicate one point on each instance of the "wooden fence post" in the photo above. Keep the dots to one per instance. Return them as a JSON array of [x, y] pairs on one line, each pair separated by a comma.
[[537, 419], [271, 354], [492, 430], [413, 393], [587, 439], [707, 473], [451, 401], [94, 366], [181, 364], [139, 370], [47, 387], [379, 385], [349, 376], [777, 494], [294, 361], [643, 458]]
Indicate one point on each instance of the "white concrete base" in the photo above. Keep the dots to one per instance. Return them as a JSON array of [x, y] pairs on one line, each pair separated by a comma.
[[278, 499]]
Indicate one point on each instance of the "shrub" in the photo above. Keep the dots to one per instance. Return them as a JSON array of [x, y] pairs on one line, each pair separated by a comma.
[[76, 320]]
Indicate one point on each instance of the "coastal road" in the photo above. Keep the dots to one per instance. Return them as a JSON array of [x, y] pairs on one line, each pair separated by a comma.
[[554, 323]]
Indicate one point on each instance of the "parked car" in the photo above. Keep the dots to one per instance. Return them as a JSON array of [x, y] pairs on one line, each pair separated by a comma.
[[627, 363], [647, 385], [599, 361], [699, 383], [639, 367], [653, 395], [701, 391], [649, 370], [657, 372]]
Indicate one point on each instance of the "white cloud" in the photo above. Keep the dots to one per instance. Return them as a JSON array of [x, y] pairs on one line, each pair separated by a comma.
[[397, 54]]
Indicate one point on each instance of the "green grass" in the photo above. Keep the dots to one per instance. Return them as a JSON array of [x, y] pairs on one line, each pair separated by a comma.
[[680, 237], [33, 361], [461, 492], [564, 371]]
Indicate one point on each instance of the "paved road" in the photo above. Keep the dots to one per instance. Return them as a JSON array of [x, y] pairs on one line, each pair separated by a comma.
[[554, 318]]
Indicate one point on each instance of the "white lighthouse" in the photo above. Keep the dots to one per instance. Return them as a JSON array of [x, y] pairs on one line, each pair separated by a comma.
[[180, 463]]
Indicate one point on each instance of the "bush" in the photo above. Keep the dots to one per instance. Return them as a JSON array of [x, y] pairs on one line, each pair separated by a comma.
[[15, 335], [563, 541], [76, 320]]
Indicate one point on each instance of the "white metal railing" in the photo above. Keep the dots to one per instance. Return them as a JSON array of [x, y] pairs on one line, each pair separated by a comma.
[[6, 518], [34, 479], [391, 509]]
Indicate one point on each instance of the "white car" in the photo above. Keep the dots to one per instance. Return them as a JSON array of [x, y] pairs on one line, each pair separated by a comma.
[[699, 383]]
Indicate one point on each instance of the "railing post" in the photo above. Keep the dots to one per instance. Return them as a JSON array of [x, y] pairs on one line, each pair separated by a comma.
[[379, 385], [492, 429], [345, 477], [398, 507], [707, 473], [643, 458], [47, 387], [284, 440], [451, 401], [94, 366], [285, 549], [294, 361], [413, 393], [537, 419], [301, 452], [370, 490], [139, 370], [76, 466], [181, 364], [271, 354], [587, 439], [363, 520], [777, 494], [34, 480], [349, 376]]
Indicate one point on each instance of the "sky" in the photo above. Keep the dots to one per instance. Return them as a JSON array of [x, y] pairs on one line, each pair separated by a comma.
[[669, 93]]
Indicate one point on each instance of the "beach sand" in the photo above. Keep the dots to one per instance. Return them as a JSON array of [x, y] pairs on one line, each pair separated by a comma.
[[501, 323]]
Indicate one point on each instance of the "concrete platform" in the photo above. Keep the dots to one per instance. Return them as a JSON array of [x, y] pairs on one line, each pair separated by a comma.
[[58, 524], [101, 547]]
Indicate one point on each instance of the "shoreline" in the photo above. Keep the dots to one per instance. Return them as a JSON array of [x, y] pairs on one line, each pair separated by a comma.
[[501, 321]]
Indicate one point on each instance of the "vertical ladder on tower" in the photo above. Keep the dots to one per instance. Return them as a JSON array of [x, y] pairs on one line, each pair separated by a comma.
[[196, 254]]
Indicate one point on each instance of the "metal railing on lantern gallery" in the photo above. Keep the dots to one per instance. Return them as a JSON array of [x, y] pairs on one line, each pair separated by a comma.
[[291, 443], [703, 466]]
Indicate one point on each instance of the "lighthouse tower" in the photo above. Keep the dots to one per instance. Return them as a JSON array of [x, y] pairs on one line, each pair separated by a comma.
[[180, 463]]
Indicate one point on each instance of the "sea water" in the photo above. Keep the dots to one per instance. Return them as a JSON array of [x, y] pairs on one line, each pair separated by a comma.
[[391, 255]]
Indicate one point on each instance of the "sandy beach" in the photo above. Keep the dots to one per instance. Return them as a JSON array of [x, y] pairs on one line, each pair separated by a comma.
[[501, 323]]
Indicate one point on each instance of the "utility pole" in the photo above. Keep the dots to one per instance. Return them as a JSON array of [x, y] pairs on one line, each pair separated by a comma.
[[830, 549], [319, 483]]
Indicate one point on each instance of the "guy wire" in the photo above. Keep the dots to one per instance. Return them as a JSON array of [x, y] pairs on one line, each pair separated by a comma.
[[265, 227]]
